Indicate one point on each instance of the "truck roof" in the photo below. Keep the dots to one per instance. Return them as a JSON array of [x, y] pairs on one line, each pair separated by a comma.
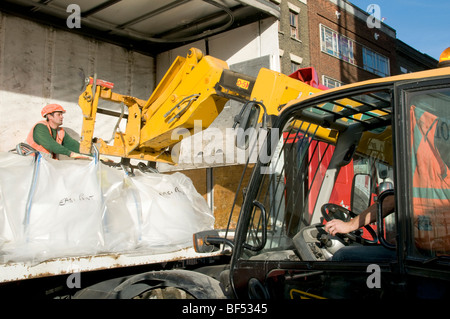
[[379, 81]]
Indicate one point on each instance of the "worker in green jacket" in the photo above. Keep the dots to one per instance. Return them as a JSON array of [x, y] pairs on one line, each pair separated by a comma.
[[49, 138]]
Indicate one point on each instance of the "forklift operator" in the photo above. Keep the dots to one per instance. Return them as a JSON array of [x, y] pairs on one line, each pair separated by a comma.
[[362, 253], [368, 216], [430, 189]]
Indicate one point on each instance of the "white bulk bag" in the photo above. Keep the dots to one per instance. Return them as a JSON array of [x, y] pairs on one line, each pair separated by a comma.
[[51, 209], [64, 217], [172, 210], [16, 173]]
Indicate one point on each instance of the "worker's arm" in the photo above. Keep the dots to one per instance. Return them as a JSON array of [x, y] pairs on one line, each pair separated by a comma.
[[74, 146], [368, 216], [71, 144]]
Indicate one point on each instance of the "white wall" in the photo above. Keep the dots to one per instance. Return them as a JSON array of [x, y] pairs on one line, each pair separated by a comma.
[[41, 65], [245, 43]]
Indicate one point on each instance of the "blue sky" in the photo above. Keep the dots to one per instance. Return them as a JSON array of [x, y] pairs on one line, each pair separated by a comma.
[[422, 24]]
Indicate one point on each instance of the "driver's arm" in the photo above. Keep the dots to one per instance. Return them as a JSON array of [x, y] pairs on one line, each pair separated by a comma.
[[368, 216]]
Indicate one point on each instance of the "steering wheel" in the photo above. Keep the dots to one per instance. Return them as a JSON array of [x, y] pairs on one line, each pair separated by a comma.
[[332, 211]]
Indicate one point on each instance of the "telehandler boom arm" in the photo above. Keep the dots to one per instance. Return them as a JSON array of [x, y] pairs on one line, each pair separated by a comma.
[[194, 88]]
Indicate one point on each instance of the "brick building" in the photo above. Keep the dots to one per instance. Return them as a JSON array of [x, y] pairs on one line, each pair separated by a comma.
[[293, 35], [346, 46], [342, 42], [411, 60]]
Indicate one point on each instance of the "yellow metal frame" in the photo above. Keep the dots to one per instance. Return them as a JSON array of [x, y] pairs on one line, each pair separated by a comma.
[[152, 125], [187, 93]]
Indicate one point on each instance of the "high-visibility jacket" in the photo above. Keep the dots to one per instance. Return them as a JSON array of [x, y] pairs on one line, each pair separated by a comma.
[[59, 139], [431, 185]]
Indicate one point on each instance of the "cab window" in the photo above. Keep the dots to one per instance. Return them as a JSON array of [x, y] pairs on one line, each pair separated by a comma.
[[429, 115], [297, 180]]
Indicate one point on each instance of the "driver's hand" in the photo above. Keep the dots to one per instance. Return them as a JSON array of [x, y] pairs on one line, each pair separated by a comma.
[[335, 226]]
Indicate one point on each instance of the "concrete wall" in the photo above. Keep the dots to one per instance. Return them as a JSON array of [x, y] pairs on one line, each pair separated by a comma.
[[41, 65]]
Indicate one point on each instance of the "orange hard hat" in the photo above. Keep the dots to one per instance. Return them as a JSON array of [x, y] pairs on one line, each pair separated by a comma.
[[50, 108]]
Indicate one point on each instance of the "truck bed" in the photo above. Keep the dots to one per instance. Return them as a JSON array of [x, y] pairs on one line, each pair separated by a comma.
[[67, 265]]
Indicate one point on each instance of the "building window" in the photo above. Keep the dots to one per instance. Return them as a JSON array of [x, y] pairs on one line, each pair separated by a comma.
[[404, 70], [296, 62], [336, 44], [294, 66], [375, 62], [293, 21], [330, 82]]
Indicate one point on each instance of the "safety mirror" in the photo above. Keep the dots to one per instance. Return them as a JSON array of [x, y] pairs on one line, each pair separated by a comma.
[[361, 193], [384, 186], [201, 243], [257, 241]]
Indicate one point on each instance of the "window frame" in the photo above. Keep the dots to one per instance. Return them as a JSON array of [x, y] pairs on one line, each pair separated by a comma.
[[294, 31], [375, 59], [294, 66], [326, 79], [332, 43], [415, 263]]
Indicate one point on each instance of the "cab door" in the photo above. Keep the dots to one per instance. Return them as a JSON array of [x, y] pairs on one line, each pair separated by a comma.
[[422, 133]]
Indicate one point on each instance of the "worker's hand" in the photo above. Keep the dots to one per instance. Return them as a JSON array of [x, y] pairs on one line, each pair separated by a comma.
[[105, 159], [79, 156], [335, 226]]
